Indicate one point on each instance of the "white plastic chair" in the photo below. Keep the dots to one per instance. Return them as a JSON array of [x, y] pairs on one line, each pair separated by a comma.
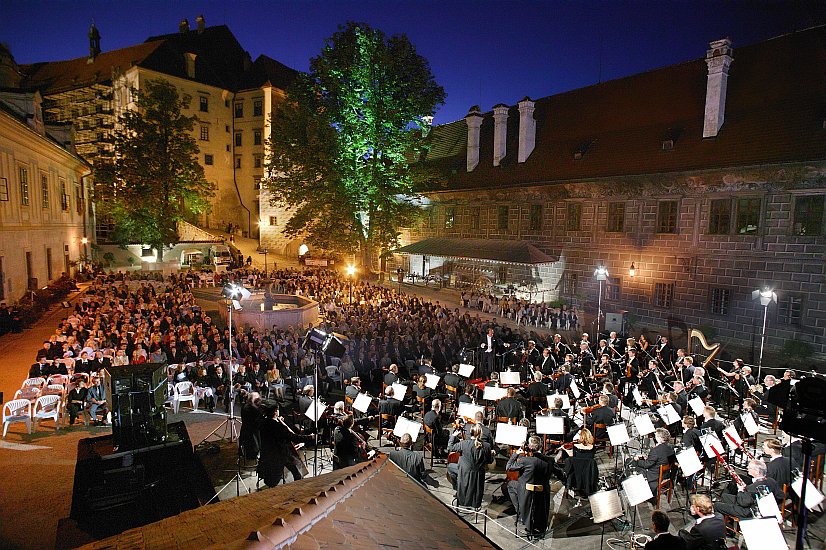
[[184, 391], [57, 379], [28, 392], [54, 389], [17, 410], [47, 406], [33, 382]]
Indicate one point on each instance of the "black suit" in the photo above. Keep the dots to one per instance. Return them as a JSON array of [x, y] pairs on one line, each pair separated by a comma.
[[509, 407], [547, 364], [691, 438], [531, 506], [602, 415], [489, 352], [710, 534], [660, 455], [665, 541], [391, 406], [780, 470], [740, 504]]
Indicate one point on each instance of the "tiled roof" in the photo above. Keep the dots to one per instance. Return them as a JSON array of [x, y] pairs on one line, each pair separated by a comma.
[[370, 505], [266, 69], [514, 252], [774, 114]]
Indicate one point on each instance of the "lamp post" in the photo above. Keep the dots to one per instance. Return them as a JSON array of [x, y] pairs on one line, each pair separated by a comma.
[[351, 270], [601, 273], [266, 271], [766, 296], [84, 241]]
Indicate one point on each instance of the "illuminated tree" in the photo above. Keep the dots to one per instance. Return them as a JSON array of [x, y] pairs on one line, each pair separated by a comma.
[[346, 141], [154, 179]]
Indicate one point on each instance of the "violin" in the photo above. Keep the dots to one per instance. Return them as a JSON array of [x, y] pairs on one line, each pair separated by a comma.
[[590, 409]]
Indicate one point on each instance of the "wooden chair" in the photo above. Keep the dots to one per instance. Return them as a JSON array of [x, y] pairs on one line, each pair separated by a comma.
[[816, 472], [384, 421], [732, 524], [787, 507], [603, 442], [665, 484], [348, 404], [429, 443]]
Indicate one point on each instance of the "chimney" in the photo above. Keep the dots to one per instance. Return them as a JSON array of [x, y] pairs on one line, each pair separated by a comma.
[[183, 26], [718, 59], [201, 23], [474, 122], [500, 132], [527, 129], [94, 43]]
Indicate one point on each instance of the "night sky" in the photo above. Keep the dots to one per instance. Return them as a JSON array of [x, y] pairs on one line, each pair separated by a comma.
[[482, 52]]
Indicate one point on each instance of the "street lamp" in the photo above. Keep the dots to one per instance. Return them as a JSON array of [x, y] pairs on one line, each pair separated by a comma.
[[766, 296], [266, 271], [351, 270], [632, 271], [601, 273], [84, 241]]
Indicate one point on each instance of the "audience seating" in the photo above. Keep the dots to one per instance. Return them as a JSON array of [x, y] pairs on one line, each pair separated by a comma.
[[47, 406], [184, 391], [17, 410]]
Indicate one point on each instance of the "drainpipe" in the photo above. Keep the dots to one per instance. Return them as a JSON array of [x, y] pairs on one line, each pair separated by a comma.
[[234, 178]]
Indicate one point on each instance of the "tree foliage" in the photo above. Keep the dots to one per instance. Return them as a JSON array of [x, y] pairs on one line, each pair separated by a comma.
[[154, 179], [345, 142]]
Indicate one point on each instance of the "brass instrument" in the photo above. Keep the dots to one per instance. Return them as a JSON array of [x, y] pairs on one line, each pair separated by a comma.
[[713, 349]]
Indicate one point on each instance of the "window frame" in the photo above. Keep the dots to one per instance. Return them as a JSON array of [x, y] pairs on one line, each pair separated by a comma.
[[615, 222], [475, 217], [798, 200], [664, 295], [44, 191], [537, 214], [238, 110], [203, 104], [257, 136], [739, 213], [258, 107], [23, 180], [573, 216], [450, 217], [4, 189], [675, 214], [209, 159], [785, 309], [238, 138], [502, 218], [719, 216], [722, 301]]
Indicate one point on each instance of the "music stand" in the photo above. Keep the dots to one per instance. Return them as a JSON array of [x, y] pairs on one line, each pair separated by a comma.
[[605, 506], [637, 491]]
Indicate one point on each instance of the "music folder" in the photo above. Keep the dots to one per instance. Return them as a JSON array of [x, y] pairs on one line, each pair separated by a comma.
[[605, 505], [362, 402], [749, 423], [399, 391], [315, 410], [644, 424], [511, 434], [492, 393], [469, 410], [697, 406], [552, 425], [432, 381], [636, 489], [689, 461], [566, 401], [618, 434], [763, 534], [466, 370], [730, 433], [404, 426]]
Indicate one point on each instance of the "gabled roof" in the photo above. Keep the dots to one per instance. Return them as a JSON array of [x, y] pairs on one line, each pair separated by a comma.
[[266, 69], [496, 250], [774, 114]]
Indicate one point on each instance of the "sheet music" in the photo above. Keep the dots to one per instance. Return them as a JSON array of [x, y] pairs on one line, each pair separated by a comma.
[[315, 410], [636, 489], [767, 505], [618, 434], [579, 420], [669, 414], [644, 424], [710, 441], [466, 370], [404, 426], [511, 434], [749, 424], [605, 505], [697, 406], [492, 393], [637, 397], [575, 389], [510, 378], [763, 534], [399, 391], [469, 410], [730, 432], [550, 425], [813, 496], [689, 461], [362, 402], [432, 380], [566, 401]]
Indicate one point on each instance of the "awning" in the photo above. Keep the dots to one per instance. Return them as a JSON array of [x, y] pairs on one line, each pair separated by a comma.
[[493, 250]]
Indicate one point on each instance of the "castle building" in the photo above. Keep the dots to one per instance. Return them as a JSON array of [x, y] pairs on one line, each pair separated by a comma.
[[231, 95], [693, 185]]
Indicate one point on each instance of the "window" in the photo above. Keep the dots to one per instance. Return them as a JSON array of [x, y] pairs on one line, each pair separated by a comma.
[[64, 196], [257, 161], [257, 108], [146, 252], [79, 198], [256, 183], [808, 215], [536, 217], [209, 160], [256, 137], [475, 217], [49, 263], [663, 295], [667, 217], [613, 289], [503, 217], [574, 219], [450, 217], [204, 133], [616, 217], [431, 214], [98, 108], [748, 216], [719, 217], [790, 309], [569, 283], [204, 104], [238, 139], [24, 186], [44, 191], [226, 127], [273, 220], [720, 301], [239, 109], [4, 189], [238, 161]]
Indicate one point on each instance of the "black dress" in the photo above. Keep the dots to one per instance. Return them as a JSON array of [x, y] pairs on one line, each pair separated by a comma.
[[581, 471]]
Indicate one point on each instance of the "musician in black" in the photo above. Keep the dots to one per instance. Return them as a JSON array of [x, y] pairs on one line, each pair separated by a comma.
[[691, 435], [390, 405], [601, 415], [740, 505], [346, 444], [604, 367], [354, 388], [248, 438], [537, 388], [709, 531], [532, 354], [698, 389], [664, 353], [548, 362], [467, 395], [661, 455], [778, 467], [562, 382], [433, 420], [453, 379], [392, 375], [490, 346], [559, 349], [277, 450], [509, 407], [530, 493], [570, 428], [630, 371], [711, 422], [682, 396], [613, 400], [663, 540], [408, 460], [585, 360], [648, 380], [615, 345]]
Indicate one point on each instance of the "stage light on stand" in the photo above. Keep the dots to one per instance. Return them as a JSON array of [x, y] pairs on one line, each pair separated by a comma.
[[351, 270], [601, 274], [766, 296]]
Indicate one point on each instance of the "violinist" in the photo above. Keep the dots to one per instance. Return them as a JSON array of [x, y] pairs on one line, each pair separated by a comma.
[[682, 396], [453, 379], [548, 362], [563, 378], [486, 435], [660, 455], [509, 407], [615, 345], [603, 369], [697, 389], [568, 424], [537, 388], [467, 396], [530, 493], [277, 447], [664, 353], [603, 349], [613, 400], [392, 375], [648, 380], [353, 388], [585, 359], [531, 354], [581, 472], [390, 405], [630, 368], [433, 420], [347, 445], [691, 435], [408, 460], [559, 349], [602, 415]]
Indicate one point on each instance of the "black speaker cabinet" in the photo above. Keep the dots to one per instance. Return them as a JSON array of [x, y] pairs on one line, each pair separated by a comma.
[[135, 378], [136, 397]]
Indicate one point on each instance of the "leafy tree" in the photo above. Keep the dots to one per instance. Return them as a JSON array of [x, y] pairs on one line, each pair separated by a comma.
[[154, 179], [345, 142]]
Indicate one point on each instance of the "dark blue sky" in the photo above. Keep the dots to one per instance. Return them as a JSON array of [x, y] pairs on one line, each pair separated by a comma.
[[482, 52]]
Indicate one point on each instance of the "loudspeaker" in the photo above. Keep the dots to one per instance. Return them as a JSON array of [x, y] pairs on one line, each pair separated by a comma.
[[336, 346], [616, 322], [136, 397]]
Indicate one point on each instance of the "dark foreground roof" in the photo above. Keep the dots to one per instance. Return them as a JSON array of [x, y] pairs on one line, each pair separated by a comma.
[[370, 505], [513, 252]]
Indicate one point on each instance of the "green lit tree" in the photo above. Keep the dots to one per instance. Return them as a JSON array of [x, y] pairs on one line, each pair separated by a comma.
[[154, 180], [345, 142]]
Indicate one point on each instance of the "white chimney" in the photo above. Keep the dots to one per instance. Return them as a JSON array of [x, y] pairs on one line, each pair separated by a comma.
[[500, 132], [527, 129], [718, 59], [474, 122]]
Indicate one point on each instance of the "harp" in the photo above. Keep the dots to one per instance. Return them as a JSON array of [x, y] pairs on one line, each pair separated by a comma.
[[712, 349]]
